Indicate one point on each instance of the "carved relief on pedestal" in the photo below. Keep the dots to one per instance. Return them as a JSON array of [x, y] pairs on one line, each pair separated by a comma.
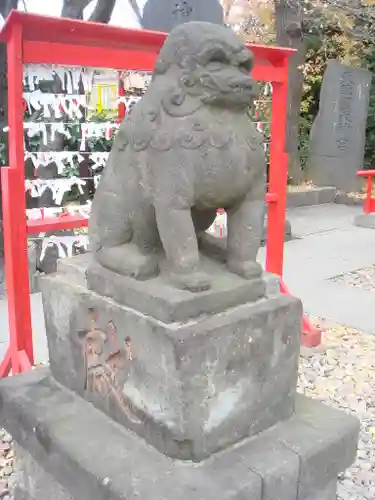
[[107, 364]]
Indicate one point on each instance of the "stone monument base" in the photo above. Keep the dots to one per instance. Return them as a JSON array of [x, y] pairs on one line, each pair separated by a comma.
[[338, 172], [190, 373], [71, 451], [365, 220]]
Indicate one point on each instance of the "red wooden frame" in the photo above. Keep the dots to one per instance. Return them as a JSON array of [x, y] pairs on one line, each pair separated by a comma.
[[369, 203], [39, 39]]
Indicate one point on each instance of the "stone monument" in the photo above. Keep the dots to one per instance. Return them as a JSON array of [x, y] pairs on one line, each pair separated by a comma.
[[164, 15], [337, 141], [173, 374]]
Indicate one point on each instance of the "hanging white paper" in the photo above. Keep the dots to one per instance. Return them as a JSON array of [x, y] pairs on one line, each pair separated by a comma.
[[96, 180], [46, 130], [69, 76], [99, 159], [96, 130], [64, 244], [60, 158], [59, 187], [53, 104], [136, 80]]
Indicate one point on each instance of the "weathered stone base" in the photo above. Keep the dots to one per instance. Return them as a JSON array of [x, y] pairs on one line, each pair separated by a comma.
[[365, 220], [71, 451], [187, 377], [37, 484], [33, 482]]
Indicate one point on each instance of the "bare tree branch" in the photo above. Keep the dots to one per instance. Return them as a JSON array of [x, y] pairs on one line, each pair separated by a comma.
[[289, 18], [74, 8], [227, 6], [137, 11], [103, 11], [6, 6]]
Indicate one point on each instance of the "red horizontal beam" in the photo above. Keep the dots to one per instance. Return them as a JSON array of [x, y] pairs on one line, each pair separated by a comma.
[[366, 173], [56, 223], [272, 53], [94, 57], [71, 31], [75, 32], [101, 57]]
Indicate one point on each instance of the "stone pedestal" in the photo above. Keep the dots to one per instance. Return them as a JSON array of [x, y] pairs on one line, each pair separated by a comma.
[[190, 372], [203, 387], [71, 451]]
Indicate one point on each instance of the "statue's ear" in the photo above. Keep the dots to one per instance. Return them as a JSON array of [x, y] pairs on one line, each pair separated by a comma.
[[180, 104], [177, 102], [178, 96]]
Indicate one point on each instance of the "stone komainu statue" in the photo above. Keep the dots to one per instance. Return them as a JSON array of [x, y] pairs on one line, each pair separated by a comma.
[[188, 148]]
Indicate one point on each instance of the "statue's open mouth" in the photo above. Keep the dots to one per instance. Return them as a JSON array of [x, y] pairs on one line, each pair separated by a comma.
[[241, 85]]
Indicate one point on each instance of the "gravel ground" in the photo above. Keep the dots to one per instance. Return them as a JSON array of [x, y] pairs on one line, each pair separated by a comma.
[[7, 475], [360, 278], [341, 373]]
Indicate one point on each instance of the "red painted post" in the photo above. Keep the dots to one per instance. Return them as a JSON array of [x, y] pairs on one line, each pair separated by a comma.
[[14, 211], [278, 177], [277, 197], [369, 203]]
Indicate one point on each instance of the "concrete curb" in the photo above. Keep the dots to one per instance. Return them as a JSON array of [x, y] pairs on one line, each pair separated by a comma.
[[311, 196], [345, 199]]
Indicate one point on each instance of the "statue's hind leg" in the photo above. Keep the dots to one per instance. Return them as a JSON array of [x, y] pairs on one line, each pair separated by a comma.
[[128, 260], [128, 243]]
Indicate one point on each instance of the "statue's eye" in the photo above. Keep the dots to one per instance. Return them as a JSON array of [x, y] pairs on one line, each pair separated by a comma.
[[245, 66], [245, 62], [218, 56]]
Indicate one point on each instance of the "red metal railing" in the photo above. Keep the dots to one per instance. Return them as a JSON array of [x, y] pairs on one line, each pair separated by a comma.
[[38, 39], [369, 203]]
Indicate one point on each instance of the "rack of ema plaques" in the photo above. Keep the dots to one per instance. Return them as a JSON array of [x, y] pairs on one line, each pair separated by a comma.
[[61, 47]]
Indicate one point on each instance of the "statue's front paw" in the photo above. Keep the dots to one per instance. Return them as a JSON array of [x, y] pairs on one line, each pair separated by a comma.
[[247, 269], [194, 282]]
